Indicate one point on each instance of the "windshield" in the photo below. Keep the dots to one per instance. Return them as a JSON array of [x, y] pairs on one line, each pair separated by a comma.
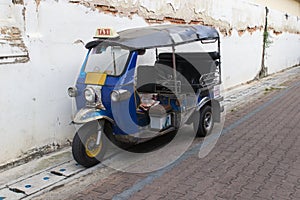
[[110, 60]]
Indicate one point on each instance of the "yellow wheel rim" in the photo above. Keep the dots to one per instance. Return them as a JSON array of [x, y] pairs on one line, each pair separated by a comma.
[[91, 148]]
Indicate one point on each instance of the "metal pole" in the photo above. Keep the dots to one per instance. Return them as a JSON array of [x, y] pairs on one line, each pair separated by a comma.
[[115, 67], [219, 51], [174, 69]]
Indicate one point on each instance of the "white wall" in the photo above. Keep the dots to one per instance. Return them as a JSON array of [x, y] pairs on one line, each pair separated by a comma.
[[35, 108], [284, 48], [281, 53], [291, 7], [241, 57]]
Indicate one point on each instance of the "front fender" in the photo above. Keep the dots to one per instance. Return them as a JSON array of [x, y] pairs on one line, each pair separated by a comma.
[[89, 114]]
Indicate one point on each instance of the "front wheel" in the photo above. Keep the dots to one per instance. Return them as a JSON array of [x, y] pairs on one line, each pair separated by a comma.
[[85, 149], [205, 124]]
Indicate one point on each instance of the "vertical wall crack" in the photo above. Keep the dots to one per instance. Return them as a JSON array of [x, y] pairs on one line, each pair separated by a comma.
[[264, 70]]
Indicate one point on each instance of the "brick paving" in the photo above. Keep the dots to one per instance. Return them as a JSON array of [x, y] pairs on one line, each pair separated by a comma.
[[257, 159]]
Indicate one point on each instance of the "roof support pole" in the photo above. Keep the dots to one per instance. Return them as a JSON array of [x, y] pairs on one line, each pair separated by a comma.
[[220, 62], [174, 69]]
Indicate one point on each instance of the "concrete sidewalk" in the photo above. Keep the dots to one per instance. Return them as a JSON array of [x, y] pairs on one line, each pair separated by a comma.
[[193, 176]]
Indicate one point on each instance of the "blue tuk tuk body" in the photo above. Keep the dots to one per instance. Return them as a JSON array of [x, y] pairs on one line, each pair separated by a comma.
[[115, 99]]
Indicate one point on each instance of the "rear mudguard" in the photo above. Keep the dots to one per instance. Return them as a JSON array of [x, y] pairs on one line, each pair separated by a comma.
[[216, 107]]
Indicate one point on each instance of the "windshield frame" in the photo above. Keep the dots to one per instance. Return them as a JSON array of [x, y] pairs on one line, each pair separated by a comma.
[[130, 52]]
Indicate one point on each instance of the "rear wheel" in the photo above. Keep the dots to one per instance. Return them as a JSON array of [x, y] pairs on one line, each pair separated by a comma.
[[205, 124], [85, 149]]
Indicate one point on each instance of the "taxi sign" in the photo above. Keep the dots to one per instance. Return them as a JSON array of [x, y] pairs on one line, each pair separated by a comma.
[[106, 33]]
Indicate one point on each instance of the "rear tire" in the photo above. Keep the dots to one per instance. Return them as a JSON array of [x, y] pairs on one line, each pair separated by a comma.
[[204, 125], [84, 148]]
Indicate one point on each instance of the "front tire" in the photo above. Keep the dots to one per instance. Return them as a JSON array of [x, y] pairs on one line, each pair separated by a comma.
[[205, 124], [85, 150]]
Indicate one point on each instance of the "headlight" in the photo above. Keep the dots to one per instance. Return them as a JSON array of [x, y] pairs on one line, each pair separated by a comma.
[[90, 95], [72, 91], [120, 95]]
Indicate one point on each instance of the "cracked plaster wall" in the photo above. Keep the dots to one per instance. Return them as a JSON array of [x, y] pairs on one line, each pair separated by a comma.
[[283, 50], [12, 47], [292, 7], [35, 108]]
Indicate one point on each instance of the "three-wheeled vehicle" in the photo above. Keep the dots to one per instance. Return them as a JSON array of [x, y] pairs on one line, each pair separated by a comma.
[[141, 83]]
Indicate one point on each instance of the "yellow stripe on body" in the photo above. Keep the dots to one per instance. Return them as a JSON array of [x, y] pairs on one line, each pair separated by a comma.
[[94, 78]]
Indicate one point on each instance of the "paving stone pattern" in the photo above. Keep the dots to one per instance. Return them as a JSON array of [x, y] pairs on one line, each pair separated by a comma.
[[259, 159]]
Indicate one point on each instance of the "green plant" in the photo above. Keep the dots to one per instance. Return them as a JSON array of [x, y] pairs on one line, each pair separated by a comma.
[[267, 39]]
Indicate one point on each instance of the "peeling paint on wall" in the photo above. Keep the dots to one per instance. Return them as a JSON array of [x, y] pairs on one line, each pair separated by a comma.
[[13, 49], [18, 2], [37, 2], [225, 15], [275, 32], [250, 30], [166, 11]]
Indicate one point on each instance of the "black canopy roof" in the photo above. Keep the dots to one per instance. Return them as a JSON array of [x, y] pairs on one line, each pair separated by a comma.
[[159, 36]]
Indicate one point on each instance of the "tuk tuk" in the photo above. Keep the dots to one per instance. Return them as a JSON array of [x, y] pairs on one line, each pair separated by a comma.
[[141, 83]]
